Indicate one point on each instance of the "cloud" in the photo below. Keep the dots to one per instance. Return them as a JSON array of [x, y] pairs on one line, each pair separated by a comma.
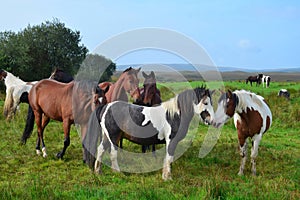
[[247, 45]]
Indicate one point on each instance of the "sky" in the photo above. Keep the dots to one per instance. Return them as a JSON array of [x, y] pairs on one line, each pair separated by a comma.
[[245, 34]]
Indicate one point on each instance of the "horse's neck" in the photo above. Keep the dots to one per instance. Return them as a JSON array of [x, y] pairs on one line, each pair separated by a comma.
[[118, 91], [11, 80]]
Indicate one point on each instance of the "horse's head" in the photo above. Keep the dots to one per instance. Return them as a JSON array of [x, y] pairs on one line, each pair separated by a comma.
[[131, 82], [3, 74], [61, 76], [99, 96], [226, 108], [203, 105], [150, 89]]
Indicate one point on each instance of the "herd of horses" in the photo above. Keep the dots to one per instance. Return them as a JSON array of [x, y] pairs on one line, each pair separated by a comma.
[[260, 78], [146, 121]]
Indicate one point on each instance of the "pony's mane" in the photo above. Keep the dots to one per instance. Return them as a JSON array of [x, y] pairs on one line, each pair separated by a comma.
[[171, 106], [128, 69], [248, 99]]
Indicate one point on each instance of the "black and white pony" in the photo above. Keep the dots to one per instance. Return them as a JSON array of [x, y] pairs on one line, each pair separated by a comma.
[[284, 93], [167, 123], [266, 80]]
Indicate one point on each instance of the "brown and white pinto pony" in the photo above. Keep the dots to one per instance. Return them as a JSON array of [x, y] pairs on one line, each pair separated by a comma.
[[252, 118]]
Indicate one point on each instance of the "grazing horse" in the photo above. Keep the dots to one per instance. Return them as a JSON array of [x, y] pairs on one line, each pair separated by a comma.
[[284, 93], [168, 122], [252, 118], [266, 80], [150, 96], [252, 79], [65, 102], [61, 76], [16, 92]]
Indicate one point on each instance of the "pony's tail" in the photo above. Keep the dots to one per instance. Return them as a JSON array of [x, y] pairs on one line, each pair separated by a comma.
[[9, 102], [29, 125], [90, 140]]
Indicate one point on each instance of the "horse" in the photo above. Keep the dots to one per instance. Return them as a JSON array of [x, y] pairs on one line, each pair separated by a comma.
[[16, 92], [168, 122], [150, 96], [17, 89], [284, 93], [252, 79], [266, 80], [128, 82], [61, 76], [65, 102], [252, 118]]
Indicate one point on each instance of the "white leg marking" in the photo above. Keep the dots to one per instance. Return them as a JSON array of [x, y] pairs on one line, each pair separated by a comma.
[[38, 152], [243, 153], [254, 152], [100, 152], [44, 152], [114, 159]]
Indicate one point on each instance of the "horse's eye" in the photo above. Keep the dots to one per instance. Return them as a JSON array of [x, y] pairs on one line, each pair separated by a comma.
[[205, 103]]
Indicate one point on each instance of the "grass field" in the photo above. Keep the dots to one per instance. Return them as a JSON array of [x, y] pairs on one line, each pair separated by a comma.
[[24, 175]]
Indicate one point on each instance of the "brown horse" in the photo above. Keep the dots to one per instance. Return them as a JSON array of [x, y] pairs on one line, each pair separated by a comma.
[[128, 82], [68, 103]]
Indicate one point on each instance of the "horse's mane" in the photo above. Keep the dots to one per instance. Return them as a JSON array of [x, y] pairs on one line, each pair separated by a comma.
[[128, 69], [171, 106], [248, 99]]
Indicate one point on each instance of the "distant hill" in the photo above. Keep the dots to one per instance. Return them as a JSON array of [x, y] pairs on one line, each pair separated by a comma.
[[189, 67]]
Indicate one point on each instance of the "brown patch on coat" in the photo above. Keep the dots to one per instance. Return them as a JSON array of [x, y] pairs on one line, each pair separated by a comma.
[[268, 123], [250, 123]]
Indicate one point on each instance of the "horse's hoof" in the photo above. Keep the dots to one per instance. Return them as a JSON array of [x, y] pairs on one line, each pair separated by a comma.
[[59, 155], [241, 173], [38, 152]]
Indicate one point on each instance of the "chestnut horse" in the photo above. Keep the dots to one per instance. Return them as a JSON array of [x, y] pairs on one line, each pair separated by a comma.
[[252, 118], [65, 102], [128, 82]]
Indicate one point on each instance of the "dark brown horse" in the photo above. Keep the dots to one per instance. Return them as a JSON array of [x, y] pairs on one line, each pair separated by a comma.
[[252, 79], [68, 103], [150, 96], [61, 76]]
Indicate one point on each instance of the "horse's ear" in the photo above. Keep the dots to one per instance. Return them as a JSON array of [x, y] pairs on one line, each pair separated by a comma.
[[144, 75], [229, 93], [138, 70], [106, 89], [152, 74]]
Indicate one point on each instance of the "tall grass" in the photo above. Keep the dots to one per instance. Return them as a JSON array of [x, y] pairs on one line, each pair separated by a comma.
[[24, 175]]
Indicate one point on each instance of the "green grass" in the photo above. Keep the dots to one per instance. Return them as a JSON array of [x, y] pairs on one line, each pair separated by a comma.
[[24, 175]]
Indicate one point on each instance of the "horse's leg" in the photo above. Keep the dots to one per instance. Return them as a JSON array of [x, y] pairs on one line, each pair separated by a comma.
[[83, 130], [67, 126], [166, 175], [243, 153], [38, 121], [101, 149], [153, 150], [45, 121], [254, 152], [114, 157]]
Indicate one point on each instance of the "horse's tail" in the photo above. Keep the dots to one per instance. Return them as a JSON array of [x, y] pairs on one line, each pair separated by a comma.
[[91, 138], [9, 102], [29, 125]]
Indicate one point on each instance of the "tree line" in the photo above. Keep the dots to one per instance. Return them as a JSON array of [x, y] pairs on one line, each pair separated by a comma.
[[34, 52]]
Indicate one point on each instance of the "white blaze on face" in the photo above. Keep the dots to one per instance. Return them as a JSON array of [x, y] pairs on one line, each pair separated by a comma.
[[204, 105], [220, 116], [100, 99]]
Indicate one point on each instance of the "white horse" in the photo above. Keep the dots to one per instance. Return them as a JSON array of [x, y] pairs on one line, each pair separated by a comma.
[[266, 80], [15, 91]]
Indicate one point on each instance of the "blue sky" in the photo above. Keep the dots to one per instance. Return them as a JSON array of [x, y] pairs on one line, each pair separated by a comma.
[[245, 34]]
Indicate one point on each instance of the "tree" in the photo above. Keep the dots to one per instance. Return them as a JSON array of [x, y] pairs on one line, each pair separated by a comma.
[[96, 67], [34, 52]]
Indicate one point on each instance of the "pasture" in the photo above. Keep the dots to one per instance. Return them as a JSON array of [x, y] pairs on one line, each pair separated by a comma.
[[24, 175]]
